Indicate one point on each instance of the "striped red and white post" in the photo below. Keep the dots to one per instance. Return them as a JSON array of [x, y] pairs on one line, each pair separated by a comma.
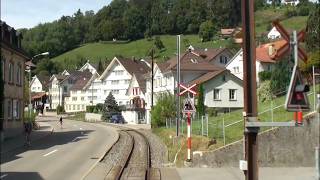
[[189, 136]]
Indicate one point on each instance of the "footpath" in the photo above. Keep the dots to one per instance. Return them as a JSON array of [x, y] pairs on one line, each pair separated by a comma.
[[18, 141]]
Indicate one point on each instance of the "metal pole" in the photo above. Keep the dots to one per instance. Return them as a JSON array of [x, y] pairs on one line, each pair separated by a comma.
[[314, 89], [223, 132], [201, 125], [152, 64], [189, 137], [317, 163], [250, 92], [30, 105], [178, 87], [207, 119]]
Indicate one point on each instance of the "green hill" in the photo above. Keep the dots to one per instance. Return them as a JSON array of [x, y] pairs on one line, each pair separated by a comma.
[[107, 50]]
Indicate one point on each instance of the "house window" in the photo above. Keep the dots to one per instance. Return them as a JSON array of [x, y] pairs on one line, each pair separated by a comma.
[[19, 75], [83, 108], [127, 81], [78, 107], [82, 98], [232, 95], [216, 94], [65, 89], [223, 60], [3, 61], [114, 82], [10, 72], [9, 109], [114, 91], [269, 67], [236, 69], [74, 98], [118, 72]]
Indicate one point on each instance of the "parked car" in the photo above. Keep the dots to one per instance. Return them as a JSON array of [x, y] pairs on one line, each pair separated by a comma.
[[117, 118]]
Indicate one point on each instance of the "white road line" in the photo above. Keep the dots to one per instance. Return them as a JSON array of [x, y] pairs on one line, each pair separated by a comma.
[[3, 176], [80, 128], [50, 152], [74, 139]]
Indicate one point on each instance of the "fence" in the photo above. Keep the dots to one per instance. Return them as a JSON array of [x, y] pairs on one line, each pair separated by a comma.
[[228, 127]]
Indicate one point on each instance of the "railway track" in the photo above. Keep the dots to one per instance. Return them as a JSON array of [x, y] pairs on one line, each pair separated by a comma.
[[128, 159]]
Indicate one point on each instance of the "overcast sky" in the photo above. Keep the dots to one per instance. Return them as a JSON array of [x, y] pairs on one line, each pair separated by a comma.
[[29, 13]]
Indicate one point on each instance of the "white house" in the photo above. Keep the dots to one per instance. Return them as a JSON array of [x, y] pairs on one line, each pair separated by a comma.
[[77, 100], [55, 90], [39, 83], [134, 112], [89, 66], [286, 2], [192, 66], [116, 79], [222, 90], [274, 34], [266, 57]]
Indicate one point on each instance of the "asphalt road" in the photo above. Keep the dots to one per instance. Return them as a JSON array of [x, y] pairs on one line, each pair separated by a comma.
[[68, 153]]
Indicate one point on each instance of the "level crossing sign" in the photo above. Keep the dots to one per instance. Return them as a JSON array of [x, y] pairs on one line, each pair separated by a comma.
[[297, 99], [188, 106], [187, 89]]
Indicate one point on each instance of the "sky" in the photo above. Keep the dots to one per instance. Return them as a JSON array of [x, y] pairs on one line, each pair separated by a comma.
[[29, 13]]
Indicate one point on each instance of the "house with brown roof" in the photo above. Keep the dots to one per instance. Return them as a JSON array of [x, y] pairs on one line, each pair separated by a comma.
[[266, 57], [77, 97], [192, 67], [89, 66], [13, 59], [215, 56]]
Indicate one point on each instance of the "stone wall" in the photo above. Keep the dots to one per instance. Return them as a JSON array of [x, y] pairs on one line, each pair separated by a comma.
[[279, 147], [92, 117]]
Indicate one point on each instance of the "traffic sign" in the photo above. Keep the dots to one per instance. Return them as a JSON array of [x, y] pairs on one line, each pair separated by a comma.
[[297, 99], [286, 48], [188, 106], [187, 89]]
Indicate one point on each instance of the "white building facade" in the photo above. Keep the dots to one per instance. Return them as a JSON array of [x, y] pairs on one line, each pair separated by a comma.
[[36, 85]]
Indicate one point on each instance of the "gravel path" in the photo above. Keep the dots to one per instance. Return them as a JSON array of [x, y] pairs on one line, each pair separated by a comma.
[[159, 152], [115, 156]]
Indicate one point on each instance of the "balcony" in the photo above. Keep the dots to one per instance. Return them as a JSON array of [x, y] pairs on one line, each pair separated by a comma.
[[136, 104]]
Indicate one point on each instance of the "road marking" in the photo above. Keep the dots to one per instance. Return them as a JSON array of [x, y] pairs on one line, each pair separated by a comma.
[[80, 128], [50, 152], [74, 139], [3, 176]]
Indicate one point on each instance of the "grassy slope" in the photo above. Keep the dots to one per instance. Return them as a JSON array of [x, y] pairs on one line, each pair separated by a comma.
[[96, 51]]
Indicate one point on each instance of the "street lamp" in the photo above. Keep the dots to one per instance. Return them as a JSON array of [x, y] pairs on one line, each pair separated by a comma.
[[30, 105]]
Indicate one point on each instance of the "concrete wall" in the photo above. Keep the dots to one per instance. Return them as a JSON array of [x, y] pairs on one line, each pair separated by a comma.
[[280, 147], [92, 117]]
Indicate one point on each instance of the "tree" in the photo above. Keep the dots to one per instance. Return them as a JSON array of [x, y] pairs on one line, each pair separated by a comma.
[[264, 91], [206, 31], [200, 104], [313, 32], [280, 76], [164, 109], [158, 43], [100, 67], [134, 22], [110, 107], [313, 60]]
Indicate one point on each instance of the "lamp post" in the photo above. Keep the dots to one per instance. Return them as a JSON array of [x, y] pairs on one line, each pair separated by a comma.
[[30, 105]]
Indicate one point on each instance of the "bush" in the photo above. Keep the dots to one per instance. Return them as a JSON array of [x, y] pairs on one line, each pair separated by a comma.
[[164, 109], [60, 109], [90, 109], [264, 91], [303, 10], [290, 12], [211, 111], [264, 75]]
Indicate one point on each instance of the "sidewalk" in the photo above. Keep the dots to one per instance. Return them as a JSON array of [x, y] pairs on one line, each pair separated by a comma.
[[19, 141], [265, 173]]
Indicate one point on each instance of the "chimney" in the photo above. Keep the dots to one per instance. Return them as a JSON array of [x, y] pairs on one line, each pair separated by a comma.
[[271, 49]]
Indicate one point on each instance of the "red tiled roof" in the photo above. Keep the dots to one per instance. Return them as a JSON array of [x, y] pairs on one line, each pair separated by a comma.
[[262, 51], [37, 95], [211, 53], [227, 31]]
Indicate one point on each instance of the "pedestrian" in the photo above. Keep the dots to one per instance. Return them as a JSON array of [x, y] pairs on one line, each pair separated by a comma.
[[27, 131], [60, 121]]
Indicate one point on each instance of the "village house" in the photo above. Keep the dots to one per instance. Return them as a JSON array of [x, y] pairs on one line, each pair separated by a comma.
[[89, 66], [39, 83], [55, 90], [13, 60], [274, 34], [266, 57], [192, 67]]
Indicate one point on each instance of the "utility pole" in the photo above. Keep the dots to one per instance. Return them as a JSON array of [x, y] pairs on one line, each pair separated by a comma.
[[152, 75], [178, 87], [250, 93]]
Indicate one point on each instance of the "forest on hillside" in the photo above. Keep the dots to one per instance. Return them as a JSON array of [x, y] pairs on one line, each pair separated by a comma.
[[127, 20]]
